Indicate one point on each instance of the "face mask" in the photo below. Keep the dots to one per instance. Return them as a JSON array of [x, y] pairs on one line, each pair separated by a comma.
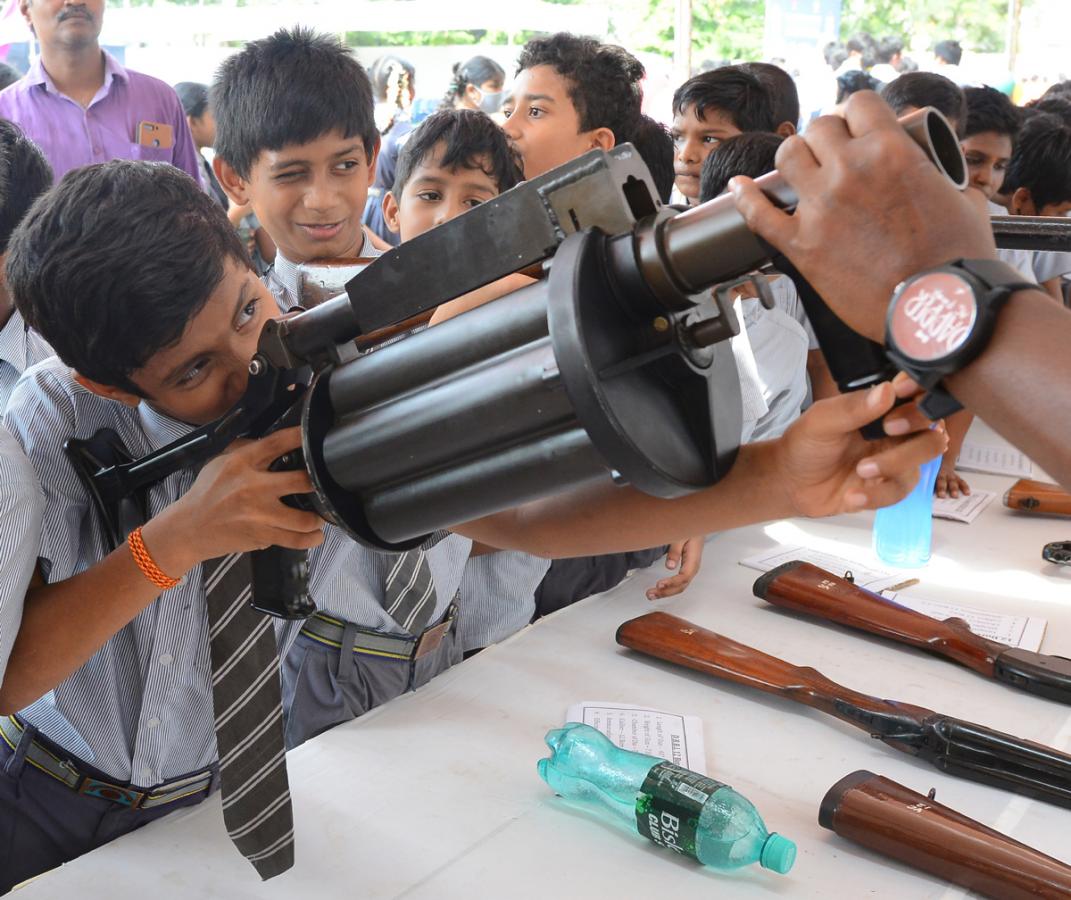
[[490, 102]]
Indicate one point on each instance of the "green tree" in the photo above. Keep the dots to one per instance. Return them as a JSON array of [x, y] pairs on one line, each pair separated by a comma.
[[978, 24]]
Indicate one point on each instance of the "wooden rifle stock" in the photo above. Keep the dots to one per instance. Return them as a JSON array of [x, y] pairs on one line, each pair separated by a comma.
[[805, 588], [894, 821], [1038, 498], [678, 641]]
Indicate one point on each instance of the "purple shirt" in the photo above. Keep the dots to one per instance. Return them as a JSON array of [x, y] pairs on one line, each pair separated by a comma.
[[71, 136]]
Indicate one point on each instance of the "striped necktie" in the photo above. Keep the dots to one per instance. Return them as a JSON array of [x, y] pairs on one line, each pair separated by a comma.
[[410, 598], [248, 719]]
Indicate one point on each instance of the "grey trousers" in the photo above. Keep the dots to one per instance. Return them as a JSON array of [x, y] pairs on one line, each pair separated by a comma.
[[43, 823], [323, 687]]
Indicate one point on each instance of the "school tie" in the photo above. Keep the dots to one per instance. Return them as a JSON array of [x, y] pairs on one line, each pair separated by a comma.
[[248, 719], [410, 594]]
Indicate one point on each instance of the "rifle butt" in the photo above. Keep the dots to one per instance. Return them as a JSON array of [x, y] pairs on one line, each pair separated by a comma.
[[1038, 498], [896, 822]]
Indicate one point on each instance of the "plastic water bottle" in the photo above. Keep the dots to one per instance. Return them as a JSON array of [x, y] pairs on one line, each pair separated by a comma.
[[903, 532], [681, 810]]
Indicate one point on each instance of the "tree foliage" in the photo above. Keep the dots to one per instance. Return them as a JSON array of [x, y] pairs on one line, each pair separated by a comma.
[[979, 25]]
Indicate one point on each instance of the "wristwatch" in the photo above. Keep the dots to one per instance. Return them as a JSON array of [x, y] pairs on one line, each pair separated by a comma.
[[941, 319]]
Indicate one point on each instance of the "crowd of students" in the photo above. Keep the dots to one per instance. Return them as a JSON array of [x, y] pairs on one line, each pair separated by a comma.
[[131, 302]]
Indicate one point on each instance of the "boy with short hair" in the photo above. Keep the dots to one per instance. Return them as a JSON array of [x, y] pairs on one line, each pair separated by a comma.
[[151, 344], [782, 341], [709, 108], [296, 138], [24, 174], [1037, 182], [914, 90], [784, 95]]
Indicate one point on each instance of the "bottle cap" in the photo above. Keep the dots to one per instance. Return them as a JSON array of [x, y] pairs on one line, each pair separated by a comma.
[[778, 853]]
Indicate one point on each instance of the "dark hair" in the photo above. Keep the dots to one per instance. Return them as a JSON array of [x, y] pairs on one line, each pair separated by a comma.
[[751, 154], [856, 80], [24, 175], [781, 87], [112, 263], [1060, 89], [834, 50], [8, 75], [655, 146], [864, 44], [290, 88], [732, 91], [949, 51], [194, 98], [603, 80], [888, 47], [383, 69], [928, 89], [1055, 105], [990, 110], [1041, 162], [476, 71], [470, 139]]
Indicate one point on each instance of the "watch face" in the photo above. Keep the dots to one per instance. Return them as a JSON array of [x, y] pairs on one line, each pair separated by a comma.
[[933, 316]]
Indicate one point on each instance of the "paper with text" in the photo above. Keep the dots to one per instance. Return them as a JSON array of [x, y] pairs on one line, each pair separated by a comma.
[[1024, 632], [994, 460], [869, 577], [669, 736], [965, 508]]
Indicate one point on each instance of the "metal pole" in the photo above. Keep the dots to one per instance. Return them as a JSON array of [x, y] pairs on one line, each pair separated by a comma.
[[1015, 10], [682, 54]]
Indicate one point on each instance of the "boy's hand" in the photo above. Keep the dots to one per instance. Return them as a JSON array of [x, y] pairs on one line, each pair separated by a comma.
[[949, 483], [872, 211], [234, 506], [686, 557], [829, 468]]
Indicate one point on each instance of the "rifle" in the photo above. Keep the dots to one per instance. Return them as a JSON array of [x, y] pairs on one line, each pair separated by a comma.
[[804, 588], [617, 364], [949, 744], [894, 821], [1039, 498]]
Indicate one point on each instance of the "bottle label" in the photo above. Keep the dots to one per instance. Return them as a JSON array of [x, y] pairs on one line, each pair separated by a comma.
[[668, 806]]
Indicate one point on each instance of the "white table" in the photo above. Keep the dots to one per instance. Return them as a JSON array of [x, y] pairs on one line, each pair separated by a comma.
[[436, 794]]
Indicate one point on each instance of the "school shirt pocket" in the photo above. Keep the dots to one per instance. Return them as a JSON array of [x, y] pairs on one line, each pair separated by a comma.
[[151, 154]]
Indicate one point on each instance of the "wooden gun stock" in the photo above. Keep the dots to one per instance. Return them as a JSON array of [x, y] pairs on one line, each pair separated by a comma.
[[805, 588], [918, 831], [1038, 498], [678, 641]]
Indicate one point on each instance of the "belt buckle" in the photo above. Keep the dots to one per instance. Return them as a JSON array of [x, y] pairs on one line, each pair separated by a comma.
[[432, 638], [106, 791]]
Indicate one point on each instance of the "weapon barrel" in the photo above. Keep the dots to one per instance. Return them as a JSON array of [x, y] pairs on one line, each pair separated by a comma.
[[920, 832], [1038, 497], [711, 243], [1032, 232], [805, 588]]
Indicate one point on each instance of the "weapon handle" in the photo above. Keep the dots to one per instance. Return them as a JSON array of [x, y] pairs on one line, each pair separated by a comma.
[[678, 641], [281, 583], [805, 588], [1038, 497], [894, 821]]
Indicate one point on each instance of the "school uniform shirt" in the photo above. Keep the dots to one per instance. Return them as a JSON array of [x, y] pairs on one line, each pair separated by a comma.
[[20, 348], [71, 135], [1020, 260], [21, 509], [780, 346], [497, 596]]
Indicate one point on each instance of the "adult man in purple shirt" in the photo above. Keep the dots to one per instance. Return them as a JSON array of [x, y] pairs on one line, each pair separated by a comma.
[[81, 106]]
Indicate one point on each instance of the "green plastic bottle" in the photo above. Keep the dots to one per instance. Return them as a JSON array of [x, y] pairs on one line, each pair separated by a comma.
[[677, 809]]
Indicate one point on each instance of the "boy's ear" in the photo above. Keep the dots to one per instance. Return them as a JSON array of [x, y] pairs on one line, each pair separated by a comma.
[[785, 130], [603, 139], [373, 159], [1022, 203], [390, 212], [107, 391], [232, 183]]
